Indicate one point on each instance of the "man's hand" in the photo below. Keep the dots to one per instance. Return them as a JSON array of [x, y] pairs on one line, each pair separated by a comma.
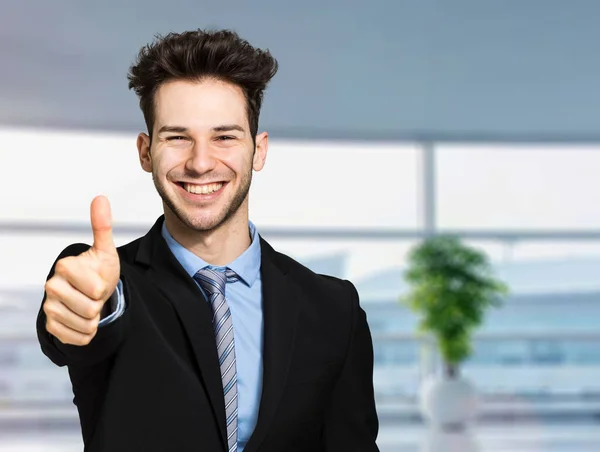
[[82, 284]]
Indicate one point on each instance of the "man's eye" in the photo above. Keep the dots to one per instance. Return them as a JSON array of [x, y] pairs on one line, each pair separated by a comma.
[[175, 138], [225, 137]]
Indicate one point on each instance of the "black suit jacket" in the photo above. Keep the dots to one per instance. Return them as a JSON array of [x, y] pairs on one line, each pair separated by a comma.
[[150, 381]]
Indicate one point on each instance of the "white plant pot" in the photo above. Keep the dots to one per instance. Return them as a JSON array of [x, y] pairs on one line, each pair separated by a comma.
[[448, 403], [441, 441]]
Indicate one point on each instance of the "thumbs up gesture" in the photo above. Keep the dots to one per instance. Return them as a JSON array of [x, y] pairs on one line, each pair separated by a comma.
[[76, 293]]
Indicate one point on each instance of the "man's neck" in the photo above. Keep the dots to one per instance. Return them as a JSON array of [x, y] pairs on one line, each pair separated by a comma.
[[216, 247]]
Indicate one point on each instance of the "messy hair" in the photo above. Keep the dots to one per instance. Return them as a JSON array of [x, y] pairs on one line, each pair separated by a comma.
[[197, 55]]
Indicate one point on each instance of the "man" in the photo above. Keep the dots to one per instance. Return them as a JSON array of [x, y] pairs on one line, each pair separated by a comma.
[[199, 336]]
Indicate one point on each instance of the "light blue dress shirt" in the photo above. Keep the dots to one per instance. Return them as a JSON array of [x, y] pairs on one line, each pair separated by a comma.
[[244, 298]]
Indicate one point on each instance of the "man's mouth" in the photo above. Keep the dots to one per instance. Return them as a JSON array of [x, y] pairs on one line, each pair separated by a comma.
[[205, 189]]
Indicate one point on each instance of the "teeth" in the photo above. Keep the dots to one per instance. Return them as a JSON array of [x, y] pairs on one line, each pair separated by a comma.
[[202, 189]]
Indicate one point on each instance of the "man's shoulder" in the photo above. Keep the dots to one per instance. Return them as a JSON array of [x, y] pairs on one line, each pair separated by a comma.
[[333, 297], [323, 284], [128, 250]]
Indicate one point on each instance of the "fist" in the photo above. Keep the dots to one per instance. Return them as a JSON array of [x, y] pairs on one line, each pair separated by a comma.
[[76, 293]]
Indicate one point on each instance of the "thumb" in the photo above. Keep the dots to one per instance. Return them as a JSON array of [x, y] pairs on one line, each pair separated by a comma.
[[101, 219]]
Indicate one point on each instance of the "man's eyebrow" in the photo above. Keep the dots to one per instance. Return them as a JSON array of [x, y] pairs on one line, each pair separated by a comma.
[[174, 129], [222, 128], [228, 128]]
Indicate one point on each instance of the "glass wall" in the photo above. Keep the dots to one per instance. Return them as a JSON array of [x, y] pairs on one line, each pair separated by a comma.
[[352, 210]]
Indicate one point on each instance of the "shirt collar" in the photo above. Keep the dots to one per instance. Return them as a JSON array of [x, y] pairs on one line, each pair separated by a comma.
[[246, 265]]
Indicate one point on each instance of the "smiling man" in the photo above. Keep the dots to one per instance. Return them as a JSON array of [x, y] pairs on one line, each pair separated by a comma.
[[199, 336]]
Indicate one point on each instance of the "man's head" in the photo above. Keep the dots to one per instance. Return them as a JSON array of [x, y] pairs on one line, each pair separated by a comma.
[[201, 94]]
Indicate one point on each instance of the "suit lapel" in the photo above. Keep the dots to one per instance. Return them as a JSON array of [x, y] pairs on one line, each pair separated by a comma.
[[193, 311], [280, 310]]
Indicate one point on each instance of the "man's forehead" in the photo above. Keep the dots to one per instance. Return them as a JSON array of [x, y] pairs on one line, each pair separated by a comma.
[[187, 104], [204, 89]]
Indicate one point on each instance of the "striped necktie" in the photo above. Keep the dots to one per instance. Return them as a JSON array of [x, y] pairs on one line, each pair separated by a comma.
[[213, 283]]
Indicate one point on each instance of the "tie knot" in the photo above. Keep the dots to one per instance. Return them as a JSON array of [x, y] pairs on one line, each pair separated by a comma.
[[214, 280]]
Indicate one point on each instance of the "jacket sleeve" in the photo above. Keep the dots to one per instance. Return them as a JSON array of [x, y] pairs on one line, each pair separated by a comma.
[[114, 307], [102, 346], [351, 422]]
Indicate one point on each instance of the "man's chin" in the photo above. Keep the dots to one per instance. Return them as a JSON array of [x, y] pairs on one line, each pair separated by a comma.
[[190, 219], [201, 224]]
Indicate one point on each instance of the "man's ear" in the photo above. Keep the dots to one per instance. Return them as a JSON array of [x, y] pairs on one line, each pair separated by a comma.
[[260, 151], [143, 145]]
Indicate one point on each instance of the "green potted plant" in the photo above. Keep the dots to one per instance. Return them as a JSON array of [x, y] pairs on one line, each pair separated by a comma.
[[452, 286]]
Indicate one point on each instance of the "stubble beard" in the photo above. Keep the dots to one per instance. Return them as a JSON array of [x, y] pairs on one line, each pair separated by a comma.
[[205, 224]]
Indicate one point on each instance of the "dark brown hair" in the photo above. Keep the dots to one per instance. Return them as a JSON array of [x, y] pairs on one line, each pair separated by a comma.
[[195, 55]]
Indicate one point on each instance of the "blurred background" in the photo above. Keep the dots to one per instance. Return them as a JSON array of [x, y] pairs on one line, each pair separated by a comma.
[[389, 122]]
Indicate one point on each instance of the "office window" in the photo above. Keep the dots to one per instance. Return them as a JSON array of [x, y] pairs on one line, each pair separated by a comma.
[[518, 187], [77, 166], [337, 184]]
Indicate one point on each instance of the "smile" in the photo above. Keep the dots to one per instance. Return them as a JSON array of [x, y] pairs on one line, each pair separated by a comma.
[[206, 189]]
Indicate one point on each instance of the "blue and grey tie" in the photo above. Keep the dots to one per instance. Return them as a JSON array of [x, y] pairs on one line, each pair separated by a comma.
[[213, 283]]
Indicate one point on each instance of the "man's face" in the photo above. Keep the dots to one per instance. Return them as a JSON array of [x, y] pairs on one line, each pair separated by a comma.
[[202, 154]]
